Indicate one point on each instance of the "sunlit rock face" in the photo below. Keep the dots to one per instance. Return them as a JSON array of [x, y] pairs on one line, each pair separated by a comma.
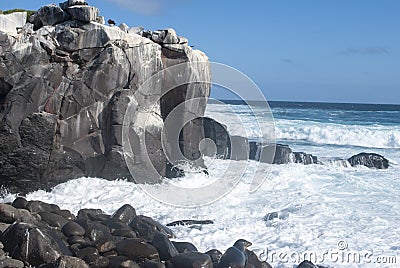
[[66, 84]]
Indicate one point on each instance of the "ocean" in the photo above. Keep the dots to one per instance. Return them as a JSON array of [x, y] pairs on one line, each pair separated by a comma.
[[330, 213]]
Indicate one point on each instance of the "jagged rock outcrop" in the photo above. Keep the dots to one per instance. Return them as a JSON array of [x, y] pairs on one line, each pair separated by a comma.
[[66, 82], [370, 160]]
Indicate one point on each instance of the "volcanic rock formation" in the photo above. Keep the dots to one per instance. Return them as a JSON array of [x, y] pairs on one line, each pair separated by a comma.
[[66, 83]]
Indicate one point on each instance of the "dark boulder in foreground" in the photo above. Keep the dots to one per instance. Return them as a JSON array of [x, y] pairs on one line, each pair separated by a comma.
[[370, 160]]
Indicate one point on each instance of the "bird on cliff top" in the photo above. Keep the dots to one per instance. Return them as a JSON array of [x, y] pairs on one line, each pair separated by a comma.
[[111, 22], [235, 256]]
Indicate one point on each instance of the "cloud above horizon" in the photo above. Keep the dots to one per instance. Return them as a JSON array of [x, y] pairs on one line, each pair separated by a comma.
[[146, 7], [364, 51]]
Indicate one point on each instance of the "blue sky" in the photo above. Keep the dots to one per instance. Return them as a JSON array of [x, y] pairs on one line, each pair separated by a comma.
[[310, 50]]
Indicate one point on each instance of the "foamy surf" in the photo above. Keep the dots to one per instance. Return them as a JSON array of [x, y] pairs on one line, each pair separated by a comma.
[[319, 206]]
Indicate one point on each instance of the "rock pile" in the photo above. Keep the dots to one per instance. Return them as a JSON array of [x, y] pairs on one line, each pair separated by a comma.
[[38, 234]]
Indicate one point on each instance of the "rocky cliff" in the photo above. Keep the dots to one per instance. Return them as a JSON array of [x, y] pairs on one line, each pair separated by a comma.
[[66, 82]]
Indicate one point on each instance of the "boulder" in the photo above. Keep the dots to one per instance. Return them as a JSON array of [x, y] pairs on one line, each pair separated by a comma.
[[136, 30], [147, 228], [73, 229], [124, 27], [51, 15], [125, 214], [167, 36], [137, 250], [370, 160], [35, 245], [10, 23], [70, 262], [8, 214], [192, 260], [164, 246], [183, 247], [83, 13], [71, 3]]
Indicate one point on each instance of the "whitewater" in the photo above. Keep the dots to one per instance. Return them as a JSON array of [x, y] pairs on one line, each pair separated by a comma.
[[299, 209]]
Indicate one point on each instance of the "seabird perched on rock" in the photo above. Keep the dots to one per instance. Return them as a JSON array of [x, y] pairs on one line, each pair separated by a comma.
[[235, 256], [111, 22]]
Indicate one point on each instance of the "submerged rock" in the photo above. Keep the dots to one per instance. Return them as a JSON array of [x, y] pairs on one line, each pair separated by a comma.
[[370, 160]]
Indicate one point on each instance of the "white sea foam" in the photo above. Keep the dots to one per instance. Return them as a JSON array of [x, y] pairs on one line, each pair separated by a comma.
[[319, 206], [337, 134], [240, 122]]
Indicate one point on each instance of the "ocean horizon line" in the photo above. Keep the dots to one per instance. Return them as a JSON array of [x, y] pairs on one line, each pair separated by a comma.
[[311, 104]]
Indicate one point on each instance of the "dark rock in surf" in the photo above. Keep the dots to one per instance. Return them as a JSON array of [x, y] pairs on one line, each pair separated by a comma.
[[370, 160], [279, 154], [189, 222], [146, 227]]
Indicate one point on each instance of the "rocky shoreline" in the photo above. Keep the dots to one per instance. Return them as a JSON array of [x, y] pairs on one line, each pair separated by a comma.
[[38, 234]]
